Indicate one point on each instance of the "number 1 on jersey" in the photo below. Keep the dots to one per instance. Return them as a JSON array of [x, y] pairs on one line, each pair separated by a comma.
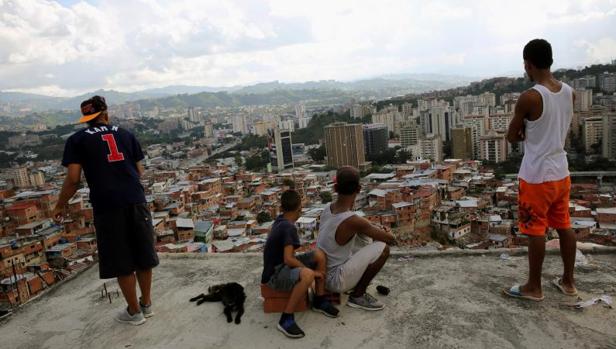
[[114, 155]]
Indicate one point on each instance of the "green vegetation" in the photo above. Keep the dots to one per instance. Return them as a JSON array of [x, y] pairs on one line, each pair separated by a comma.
[[315, 130], [224, 99], [317, 154], [390, 156], [258, 161], [325, 197], [263, 217]]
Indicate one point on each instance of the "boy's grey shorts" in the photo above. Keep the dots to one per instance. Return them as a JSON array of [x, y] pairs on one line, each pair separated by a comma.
[[285, 278]]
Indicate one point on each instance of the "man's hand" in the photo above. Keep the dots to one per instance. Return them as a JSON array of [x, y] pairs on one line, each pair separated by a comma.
[[58, 214], [318, 275]]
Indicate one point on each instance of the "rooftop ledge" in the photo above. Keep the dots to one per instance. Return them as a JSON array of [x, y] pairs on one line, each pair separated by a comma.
[[435, 301]]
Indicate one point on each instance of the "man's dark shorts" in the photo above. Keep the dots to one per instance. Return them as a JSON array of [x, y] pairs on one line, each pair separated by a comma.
[[285, 278], [125, 239]]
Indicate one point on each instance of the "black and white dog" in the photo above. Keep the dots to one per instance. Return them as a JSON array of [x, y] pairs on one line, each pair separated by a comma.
[[231, 295]]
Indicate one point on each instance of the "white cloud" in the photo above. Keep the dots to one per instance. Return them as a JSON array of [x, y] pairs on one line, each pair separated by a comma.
[[134, 44], [601, 51]]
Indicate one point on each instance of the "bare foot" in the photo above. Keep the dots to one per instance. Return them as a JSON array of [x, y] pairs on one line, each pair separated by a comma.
[[569, 287], [528, 291]]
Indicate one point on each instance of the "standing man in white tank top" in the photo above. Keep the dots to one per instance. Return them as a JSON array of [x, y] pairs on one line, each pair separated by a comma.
[[542, 119]]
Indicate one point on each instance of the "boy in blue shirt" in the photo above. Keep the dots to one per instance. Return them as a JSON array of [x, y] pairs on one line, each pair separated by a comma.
[[285, 271]]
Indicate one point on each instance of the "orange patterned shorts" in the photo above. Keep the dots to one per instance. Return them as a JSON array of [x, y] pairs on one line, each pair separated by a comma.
[[543, 205]]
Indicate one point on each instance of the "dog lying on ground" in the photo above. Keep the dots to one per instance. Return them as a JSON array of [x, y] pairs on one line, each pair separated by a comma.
[[231, 295]]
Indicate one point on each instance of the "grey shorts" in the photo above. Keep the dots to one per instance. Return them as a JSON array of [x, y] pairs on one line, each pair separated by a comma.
[[345, 276], [285, 278]]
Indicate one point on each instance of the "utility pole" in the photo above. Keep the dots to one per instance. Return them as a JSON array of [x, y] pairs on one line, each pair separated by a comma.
[[16, 281]]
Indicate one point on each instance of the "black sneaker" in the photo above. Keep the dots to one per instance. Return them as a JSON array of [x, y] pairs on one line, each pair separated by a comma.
[[290, 329], [326, 308]]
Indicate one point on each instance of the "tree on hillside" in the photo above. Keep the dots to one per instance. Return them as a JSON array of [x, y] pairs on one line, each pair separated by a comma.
[[325, 197], [317, 154], [263, 217]]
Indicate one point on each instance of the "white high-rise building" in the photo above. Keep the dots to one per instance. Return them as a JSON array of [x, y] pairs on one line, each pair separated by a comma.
[[494, 147], [583, 100], [592, 132], [288, 125], [478, 126], [281, 149], [438, 120], [500, 122], [390, 118], [303, 122], [431, 147], [300, 111], [240, 124], [609, 136]]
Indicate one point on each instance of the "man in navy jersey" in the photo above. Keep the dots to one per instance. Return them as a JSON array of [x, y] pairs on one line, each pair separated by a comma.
[[110, 159]]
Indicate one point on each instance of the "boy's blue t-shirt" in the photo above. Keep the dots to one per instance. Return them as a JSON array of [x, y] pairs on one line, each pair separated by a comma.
[[283, 233]]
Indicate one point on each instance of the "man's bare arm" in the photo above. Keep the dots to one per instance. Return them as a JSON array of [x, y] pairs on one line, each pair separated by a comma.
[[516, 127], [289, 258], [140, 168], [360, 225], [69, 188]]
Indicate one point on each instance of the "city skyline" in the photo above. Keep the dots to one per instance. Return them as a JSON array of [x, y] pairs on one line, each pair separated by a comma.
[[69, 47]]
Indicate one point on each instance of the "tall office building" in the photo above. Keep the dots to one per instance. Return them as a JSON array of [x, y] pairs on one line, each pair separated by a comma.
[[609, 136], [438, 120], [281, 150], [208, 130], [20, 177], [240, 124], [477, 124], [494, 147], [583, 100], [375, 138], [431, 147], [462, 143], [390, 118], [344, 145], [500, 122], [409, 134], [303, 122], [592, 132], [300, 111], [37, 179]]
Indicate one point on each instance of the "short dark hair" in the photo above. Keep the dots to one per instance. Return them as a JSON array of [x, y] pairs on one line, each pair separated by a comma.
[[290, 201], [539, 53], [97, 120], [347, 180]]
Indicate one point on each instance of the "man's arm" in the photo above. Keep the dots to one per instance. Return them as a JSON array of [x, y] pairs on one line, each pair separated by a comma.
[[69, 188], [360, 225], [140, 168], [516, 127], [289, 257]]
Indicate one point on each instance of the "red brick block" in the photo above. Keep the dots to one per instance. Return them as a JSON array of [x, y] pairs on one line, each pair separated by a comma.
[[275, 301]]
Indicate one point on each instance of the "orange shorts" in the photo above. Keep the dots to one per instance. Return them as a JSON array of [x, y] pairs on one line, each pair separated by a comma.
[[543, 205]]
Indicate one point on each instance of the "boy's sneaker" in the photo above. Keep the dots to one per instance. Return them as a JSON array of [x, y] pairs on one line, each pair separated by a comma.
[[326, 308], [365, 302], [126, 318], [146, 309], [290, 329]]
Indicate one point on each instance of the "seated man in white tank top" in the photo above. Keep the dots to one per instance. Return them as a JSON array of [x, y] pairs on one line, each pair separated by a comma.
[[542, 118], [339, 228]]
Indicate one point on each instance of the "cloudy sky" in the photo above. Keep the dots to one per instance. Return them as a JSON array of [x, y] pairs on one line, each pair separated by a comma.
[[68, 47]]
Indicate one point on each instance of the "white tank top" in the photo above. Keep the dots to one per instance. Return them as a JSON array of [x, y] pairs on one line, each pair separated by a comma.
[[545, 158], [326, 241]]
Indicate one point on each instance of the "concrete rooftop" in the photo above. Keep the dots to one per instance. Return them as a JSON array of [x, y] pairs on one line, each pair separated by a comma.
[[439, 301]]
